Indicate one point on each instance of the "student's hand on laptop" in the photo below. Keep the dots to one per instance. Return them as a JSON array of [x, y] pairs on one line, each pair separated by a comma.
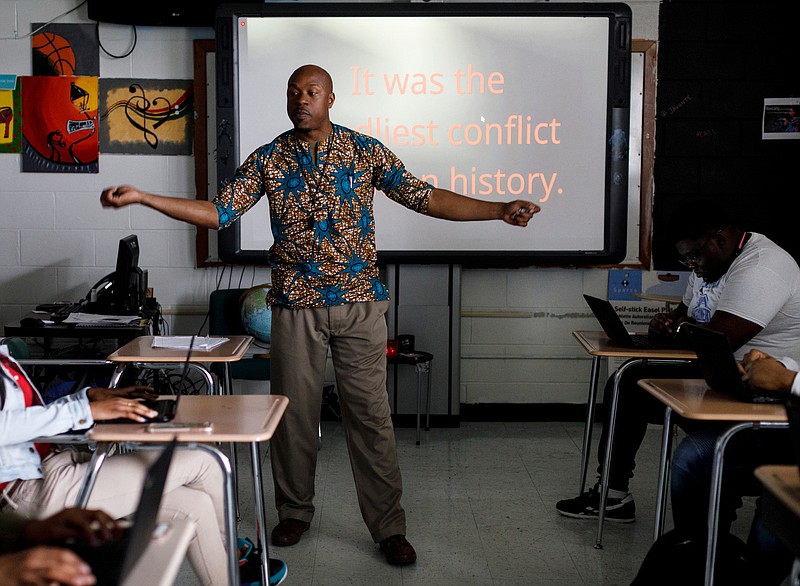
[[120, 407], [762, 371], [43, 566], [132, 392], [88, 526]]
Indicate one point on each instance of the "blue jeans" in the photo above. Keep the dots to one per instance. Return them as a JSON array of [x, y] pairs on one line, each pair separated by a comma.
[[691, 485]]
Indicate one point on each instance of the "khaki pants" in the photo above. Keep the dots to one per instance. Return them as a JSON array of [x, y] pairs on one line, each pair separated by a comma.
[[356, 334], [194, 491]]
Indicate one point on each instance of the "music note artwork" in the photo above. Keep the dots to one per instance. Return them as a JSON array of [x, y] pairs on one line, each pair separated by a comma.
[[148, 116]]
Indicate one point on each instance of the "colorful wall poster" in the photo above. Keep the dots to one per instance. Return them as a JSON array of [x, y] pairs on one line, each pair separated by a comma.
[[147, 116], [59, 124], [9, 120], [65, 49]]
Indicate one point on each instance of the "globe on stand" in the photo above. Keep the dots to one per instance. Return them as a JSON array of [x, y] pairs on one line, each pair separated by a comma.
[[256, 314]]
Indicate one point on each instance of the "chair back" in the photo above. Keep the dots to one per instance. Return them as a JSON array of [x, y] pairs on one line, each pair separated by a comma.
[[225, 318], [17, 347]]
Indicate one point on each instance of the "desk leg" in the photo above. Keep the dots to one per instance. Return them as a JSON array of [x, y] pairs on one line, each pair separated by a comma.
[[258, 499], [663, 473], [612, 423], [226, 388], [230, 515], [428, 406], [587, 427], [96, 462], [422, 367], [116, 375], [716, 486]]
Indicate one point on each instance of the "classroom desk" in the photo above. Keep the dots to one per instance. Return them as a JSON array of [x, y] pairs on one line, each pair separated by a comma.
[[236, 418], [599, 347], [692, 399], [161, 561], [122, 334], [140, 351]]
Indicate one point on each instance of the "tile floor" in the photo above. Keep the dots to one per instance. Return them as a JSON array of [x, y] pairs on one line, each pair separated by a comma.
[[480, 505]]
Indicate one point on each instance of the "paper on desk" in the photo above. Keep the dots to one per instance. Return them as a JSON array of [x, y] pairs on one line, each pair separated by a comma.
[[202, 343], [96, 319]]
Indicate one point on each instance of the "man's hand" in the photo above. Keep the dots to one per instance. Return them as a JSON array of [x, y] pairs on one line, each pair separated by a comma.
[[83, 525], [120, 196], [45, 566], [519, 212]]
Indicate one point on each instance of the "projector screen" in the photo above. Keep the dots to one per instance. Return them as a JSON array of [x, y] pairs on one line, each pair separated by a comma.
[[495, 101]]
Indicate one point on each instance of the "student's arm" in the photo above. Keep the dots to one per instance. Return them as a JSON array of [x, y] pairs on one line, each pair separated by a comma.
[[448, 205], [199, 212], [739, 330]]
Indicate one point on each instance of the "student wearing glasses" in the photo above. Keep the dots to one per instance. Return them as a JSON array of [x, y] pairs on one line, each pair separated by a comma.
[[743, 285]]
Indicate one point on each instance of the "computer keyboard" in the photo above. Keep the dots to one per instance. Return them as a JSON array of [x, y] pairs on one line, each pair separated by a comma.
[[63, 312]]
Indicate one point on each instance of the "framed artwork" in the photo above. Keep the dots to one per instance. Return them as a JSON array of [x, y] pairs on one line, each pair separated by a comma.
[[146, 116], [65, 49], [59, 124], [9, 120]]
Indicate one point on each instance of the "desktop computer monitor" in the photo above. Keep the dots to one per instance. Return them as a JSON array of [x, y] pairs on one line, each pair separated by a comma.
[[121, 292], [127, 288]]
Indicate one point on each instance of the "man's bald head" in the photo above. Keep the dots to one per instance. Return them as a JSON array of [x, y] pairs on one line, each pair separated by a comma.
[[316, 71]]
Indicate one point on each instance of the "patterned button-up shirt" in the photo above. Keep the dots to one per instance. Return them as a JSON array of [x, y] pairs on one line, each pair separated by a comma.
[[321, 212]]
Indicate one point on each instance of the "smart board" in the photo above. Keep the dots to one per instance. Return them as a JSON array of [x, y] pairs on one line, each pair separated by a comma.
[[496, 101]]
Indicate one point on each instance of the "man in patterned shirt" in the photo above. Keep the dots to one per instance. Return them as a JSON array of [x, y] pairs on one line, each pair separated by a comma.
[[319, 179]]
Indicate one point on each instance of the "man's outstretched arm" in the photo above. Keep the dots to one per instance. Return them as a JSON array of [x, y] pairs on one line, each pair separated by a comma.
[[448, 205], [194, 211]]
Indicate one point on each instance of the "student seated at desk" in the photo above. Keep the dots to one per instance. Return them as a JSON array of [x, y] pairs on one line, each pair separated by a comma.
[[27, 555], [743, 285], [693, 461], [38, 480]]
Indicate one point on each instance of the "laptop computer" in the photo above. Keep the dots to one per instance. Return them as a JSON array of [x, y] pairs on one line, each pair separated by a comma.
[[165, 408], [720, 370], [616, 331], [113, 561]]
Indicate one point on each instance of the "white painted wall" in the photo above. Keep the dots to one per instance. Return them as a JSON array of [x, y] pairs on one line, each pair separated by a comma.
[[56, 241]]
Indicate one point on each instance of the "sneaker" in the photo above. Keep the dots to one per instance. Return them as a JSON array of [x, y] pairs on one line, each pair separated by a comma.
[[586, 506], [250, 565], [250, 571]]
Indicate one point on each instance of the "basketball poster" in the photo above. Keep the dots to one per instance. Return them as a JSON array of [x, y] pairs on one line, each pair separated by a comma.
[[65, 49], [59, 124], [9, 121]]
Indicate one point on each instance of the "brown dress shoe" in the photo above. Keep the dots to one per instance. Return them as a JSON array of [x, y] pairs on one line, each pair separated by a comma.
[[288, 532], [398, 550]]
